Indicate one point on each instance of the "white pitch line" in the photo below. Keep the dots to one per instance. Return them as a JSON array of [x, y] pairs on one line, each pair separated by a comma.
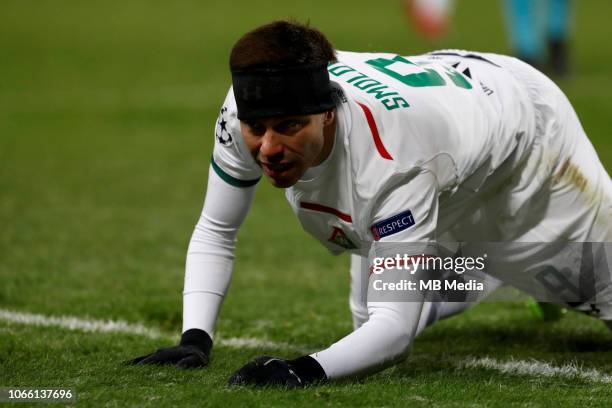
[[536, 368], [121, 326], [255, 343], [512, 367], [75, 323]]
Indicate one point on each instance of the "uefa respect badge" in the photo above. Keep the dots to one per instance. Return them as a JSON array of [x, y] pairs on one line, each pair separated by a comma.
[[392, 225]]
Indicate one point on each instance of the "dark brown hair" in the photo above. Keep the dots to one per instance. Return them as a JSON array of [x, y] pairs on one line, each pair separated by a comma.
[[281, 44]]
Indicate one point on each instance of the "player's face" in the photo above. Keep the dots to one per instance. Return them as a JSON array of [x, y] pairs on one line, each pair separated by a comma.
[[285, 147]]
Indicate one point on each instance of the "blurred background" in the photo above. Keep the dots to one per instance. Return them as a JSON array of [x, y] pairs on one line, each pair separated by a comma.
[[107, 112]]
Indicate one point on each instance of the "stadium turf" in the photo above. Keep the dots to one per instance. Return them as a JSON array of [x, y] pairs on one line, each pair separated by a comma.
[[106, 129]]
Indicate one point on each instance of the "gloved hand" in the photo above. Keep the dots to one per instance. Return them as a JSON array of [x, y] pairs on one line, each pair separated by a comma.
[[267, 370], [192, 352]]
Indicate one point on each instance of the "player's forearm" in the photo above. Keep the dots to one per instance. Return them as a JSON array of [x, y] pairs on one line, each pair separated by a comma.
[[382, 341], [210, 255], [206, 282]]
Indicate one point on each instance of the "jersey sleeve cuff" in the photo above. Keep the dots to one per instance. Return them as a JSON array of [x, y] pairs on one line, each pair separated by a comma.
[[230, 179], [198, 338], [308, 369]]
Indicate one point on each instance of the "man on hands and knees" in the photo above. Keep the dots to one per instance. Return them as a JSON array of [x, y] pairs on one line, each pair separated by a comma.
[[385, 154]]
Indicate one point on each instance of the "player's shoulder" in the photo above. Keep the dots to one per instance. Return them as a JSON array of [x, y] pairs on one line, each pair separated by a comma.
[[390, 138], [227, 126], [384, 143], [231, 158], [381, 151]]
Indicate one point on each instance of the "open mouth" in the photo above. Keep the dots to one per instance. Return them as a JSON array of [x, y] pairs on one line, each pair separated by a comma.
[[275, 169]]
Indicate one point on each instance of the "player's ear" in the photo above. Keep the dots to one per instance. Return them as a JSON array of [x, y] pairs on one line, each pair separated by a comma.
[[329, 117]]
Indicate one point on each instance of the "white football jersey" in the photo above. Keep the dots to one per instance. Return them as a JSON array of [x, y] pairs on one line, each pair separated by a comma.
[[422, 144], [478, 147]]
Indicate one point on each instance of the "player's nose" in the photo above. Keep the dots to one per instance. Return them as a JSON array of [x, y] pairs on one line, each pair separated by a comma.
[[271, 146]]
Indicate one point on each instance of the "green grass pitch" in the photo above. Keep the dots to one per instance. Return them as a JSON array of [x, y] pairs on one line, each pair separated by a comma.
[[106, 128]]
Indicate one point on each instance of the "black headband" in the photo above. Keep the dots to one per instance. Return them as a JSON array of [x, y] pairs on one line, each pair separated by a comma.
[[265, 92]]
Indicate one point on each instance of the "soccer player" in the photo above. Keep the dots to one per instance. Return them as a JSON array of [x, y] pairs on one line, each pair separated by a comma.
[[539, 32], [391, 155], [430, 17]]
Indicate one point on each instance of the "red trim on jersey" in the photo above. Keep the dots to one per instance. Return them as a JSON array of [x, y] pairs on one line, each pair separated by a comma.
[[326, 209], [372, 123]]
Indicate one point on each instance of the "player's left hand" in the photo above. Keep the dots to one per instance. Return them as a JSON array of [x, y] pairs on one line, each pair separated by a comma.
[[265, 370]]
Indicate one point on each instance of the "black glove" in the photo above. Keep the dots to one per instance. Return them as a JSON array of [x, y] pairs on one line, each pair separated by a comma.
[[192, 352], [267, 370]]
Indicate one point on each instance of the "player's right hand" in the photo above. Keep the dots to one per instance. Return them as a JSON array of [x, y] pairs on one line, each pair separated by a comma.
[[192, 352]]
